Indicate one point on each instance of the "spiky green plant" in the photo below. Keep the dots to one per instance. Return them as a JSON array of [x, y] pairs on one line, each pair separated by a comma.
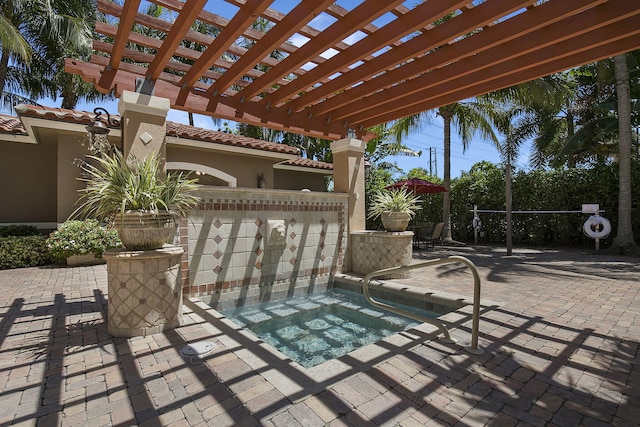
[[114, 187], [396, 200]]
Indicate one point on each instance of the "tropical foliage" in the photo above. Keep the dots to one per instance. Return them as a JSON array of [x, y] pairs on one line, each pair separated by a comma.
[[23, 251], [113, 186], [82, 238], [394, 200], [35, 37]]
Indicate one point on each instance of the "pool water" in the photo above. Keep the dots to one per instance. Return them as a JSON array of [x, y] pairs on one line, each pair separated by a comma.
[[312, 329]]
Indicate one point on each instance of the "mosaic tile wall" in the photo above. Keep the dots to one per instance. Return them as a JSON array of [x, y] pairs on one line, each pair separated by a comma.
[[230, 257], [375, 250]]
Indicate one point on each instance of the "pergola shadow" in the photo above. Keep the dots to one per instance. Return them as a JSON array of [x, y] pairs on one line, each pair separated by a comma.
[[534, 370]]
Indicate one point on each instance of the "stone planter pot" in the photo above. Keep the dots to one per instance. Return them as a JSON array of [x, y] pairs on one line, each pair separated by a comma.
[[88, 259], [143, 230], [395, 221]]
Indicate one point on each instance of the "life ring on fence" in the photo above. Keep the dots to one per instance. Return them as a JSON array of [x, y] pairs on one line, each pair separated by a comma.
[[597, 227]]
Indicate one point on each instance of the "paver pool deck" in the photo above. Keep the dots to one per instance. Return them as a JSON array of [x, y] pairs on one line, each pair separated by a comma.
[[560, 338]]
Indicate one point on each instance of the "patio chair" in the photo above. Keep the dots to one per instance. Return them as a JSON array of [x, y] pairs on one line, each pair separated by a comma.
[[436, 236], [421, 233]]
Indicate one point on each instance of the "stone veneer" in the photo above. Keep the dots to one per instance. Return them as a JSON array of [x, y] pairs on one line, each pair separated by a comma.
[[144, 291], [228, 254], [376, 250]]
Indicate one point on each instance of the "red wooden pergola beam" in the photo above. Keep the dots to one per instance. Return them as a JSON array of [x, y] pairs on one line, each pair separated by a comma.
[[428, 40], [404, 25], [485, 50], [422, 59], [268, 43]]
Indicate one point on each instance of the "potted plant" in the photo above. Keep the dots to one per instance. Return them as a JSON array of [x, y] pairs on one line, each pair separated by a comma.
[[82, 242], [395, 208], [142, 203]]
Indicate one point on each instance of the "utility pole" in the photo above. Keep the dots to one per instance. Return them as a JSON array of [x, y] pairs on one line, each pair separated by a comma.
[[433, 161]]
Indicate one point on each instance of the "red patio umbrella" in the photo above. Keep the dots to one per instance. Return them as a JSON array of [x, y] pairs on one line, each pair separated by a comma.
[[419, 186]]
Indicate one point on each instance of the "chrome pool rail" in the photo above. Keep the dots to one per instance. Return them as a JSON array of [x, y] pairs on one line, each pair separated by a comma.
[[473, 349]]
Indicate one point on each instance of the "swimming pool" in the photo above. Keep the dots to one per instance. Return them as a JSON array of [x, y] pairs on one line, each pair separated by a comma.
[[312, 329]]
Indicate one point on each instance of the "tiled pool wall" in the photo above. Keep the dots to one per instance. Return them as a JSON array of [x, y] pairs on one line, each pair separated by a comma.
[[229, 259]]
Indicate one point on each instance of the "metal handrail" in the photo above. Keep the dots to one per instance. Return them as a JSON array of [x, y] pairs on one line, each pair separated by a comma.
[[437, 323]]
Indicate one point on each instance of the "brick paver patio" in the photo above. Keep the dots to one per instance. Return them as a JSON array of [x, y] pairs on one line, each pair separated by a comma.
[[561, 348]]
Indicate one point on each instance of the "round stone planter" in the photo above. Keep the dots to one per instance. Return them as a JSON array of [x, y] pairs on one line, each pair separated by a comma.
[[144, 291], [395, 221], [143, 230]]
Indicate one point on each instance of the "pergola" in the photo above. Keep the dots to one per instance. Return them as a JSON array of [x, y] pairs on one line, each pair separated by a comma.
[[325, 67]]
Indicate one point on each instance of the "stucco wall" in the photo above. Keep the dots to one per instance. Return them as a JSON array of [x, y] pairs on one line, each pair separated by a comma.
[[290, 180], [71, 151], [228, 259], [27, 182], [245, 168]]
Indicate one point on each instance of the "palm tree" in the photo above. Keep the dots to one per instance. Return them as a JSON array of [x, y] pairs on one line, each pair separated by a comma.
[[624, 235], [80, 16], [470, 118], [52, 29], [606, 106], [530, 111], [13, 45]]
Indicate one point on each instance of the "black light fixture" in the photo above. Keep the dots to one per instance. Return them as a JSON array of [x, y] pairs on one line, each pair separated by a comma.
[[262, 181], [98, 127], [367, 167]]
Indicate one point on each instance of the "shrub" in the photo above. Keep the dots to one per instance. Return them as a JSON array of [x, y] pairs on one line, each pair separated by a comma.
[[18, 230], [82, 238], [23, 251]]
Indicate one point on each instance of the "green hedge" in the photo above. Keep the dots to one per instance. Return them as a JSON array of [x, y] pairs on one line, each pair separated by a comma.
[[484, 186], [23, 251], [81, 238], [18, 230]]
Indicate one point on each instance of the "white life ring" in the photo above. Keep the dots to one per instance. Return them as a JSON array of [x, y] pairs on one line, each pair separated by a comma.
[[595, 223]]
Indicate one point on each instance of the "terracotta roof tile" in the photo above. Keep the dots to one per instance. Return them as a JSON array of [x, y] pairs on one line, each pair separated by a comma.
[[52, 113], [173, 129], [191, 132], [12, 125], [309, 163]]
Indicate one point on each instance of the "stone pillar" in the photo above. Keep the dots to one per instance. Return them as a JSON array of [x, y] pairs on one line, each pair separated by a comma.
[[145, 291], [348, 177], [144, 124]]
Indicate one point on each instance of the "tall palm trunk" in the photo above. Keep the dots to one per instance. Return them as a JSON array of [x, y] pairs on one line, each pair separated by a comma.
[[624, 235], [447, 116], [4, 68]]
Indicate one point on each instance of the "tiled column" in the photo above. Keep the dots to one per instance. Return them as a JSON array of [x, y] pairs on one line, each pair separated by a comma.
[[145, 291], [376, 250], [143, 124], [348, 177]]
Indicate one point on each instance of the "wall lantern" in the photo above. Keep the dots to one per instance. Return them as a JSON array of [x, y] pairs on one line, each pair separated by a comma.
[[98, 127], [262, 181]]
